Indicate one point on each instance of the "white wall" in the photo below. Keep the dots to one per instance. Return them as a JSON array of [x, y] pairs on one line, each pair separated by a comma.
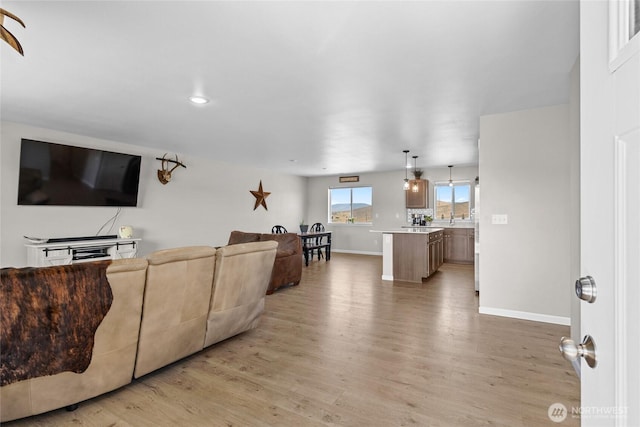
[[389, 210], [525, 169], [200, 206]]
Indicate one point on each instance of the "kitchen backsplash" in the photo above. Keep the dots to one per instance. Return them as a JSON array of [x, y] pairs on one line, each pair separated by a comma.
[[411, 212], [429, 212]]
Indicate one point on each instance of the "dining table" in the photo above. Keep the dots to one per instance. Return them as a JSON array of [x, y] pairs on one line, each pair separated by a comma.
[[315, 240]]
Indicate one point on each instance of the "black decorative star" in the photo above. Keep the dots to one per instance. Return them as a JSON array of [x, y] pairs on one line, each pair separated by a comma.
[[261, 197]]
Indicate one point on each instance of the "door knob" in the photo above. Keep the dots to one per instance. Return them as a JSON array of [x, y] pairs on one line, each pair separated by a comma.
[[571, 351], [586, 289]]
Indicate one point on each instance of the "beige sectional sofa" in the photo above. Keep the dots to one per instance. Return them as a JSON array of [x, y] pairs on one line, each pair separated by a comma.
[[168, 306]]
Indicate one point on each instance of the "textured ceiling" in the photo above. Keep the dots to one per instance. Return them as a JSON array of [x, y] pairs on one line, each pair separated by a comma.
[[339, 87]]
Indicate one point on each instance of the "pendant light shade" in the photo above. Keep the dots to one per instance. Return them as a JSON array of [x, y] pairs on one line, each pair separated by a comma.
[[450, 180], [415, 187], [406, 179]]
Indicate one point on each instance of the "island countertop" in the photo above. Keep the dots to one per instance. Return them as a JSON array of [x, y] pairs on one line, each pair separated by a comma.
[[409, 230], [445, 224]]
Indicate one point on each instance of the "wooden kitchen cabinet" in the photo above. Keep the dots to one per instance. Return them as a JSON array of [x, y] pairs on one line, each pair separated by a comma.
[[436, 251], [416, 255], [459, 245], [417, 200], [410, 257]]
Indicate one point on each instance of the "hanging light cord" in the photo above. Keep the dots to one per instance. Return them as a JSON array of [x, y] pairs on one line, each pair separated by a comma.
[[406, 161], [415, 187]]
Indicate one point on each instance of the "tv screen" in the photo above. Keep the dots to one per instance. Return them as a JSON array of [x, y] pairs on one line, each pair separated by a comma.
[[63, 175]]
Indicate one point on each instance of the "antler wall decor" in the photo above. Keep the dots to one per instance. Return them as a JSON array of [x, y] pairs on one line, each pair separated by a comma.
[[164, 174], [6, 35]]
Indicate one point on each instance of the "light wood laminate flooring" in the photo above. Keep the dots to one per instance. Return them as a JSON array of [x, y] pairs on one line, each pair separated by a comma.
[[348, 349]]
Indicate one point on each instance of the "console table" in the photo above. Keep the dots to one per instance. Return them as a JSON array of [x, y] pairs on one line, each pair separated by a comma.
[[309, 243], [74, 250]]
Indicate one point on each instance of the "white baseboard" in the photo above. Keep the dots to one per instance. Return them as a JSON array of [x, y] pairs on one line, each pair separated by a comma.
[[387, 277], [345, 251], [536, 317]]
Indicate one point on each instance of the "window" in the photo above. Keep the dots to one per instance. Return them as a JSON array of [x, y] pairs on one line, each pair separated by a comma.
[[453, 202], [350, 205], [624, 27]]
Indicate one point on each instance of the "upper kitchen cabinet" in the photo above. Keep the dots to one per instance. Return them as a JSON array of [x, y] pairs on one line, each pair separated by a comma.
[[417, 199]]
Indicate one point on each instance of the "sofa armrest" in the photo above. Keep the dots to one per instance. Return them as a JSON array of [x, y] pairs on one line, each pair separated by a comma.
[[113, 358]]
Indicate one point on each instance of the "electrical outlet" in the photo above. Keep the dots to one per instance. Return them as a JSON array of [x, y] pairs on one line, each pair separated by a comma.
[[499, 219]]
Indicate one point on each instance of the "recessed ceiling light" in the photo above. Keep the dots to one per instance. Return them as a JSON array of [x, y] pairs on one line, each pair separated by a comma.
[[198, 100]]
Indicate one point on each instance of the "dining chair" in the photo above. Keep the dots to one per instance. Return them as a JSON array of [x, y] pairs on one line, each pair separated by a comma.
[[278, 229], [317, 228]]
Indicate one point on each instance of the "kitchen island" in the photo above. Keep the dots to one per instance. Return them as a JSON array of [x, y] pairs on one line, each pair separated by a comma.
[[411, 254]]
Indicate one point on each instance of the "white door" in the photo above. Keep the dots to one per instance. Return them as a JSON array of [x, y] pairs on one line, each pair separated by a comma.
[[610, 210]]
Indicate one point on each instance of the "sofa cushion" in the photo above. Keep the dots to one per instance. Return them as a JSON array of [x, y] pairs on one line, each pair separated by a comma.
[[242, 274], [287, 268], [176, 303]]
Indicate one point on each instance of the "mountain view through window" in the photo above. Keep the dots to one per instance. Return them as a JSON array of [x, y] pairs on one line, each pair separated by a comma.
[[351, 205]]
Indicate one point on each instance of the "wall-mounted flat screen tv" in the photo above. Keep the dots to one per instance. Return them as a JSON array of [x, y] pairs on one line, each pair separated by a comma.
[[64, 175]]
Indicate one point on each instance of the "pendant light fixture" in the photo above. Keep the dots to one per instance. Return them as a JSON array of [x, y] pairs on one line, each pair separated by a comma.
[[450, 180], [416, 174], [406, 160]]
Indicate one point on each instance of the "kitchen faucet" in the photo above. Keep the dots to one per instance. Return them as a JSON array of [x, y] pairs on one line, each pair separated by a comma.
[[451, 219]]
